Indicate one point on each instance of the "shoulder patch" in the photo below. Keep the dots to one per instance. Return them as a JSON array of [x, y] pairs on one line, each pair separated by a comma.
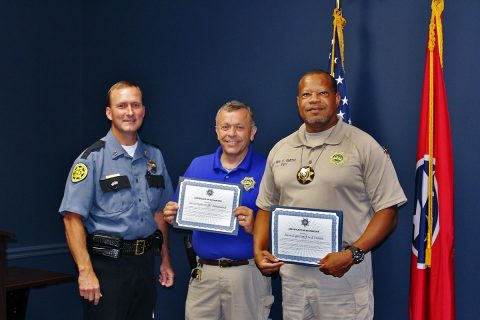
[[94, 147], [79, 172]]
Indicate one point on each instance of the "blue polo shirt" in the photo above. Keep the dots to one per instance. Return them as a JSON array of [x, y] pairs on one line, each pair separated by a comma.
[[115, 193], [209, 245]]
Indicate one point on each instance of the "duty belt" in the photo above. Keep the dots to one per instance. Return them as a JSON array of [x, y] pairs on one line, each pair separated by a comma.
[[223, 263], [113, 246]]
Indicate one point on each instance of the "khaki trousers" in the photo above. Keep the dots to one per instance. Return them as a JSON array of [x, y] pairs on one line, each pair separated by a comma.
[[233, 293], [307, 293]]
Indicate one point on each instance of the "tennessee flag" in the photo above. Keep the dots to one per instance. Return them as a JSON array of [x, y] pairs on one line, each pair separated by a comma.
[[432, 270]]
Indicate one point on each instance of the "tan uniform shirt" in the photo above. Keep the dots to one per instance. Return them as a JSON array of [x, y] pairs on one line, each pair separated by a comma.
[[353, 174]]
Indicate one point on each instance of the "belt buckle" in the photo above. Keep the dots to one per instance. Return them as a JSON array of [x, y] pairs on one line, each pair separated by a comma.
[[223, 263], [139, 247]]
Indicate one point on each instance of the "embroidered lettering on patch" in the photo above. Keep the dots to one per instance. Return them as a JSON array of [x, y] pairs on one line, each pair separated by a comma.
[[337, 158], [248, 183]]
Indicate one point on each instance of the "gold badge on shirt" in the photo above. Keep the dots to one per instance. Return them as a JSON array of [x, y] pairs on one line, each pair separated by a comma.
[[337, 158], [305, 175], [151, 167], [79, 172], [248, 183]]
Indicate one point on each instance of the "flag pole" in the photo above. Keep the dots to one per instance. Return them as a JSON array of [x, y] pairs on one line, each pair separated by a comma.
[[332, 53], [431, 47], [435, 36]]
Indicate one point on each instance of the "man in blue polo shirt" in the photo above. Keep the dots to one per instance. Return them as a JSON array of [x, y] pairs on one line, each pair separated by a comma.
[[227, 284]]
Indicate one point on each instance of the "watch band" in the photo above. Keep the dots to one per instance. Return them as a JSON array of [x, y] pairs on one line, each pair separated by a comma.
[[358, 254]]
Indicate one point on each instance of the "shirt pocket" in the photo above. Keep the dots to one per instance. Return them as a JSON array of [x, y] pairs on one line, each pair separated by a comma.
[[155, 186], [115, 195]]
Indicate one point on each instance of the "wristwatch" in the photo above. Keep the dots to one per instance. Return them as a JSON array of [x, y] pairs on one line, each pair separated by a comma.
[[358, 254]]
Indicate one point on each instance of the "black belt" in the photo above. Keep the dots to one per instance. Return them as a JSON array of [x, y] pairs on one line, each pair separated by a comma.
[[114, 247], [137, 247], [223, 263]]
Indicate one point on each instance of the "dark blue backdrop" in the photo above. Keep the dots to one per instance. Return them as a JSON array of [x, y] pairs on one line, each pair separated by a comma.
[[58, 59]]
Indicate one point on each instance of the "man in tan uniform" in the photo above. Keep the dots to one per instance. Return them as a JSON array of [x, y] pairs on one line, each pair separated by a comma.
[[330, 165]]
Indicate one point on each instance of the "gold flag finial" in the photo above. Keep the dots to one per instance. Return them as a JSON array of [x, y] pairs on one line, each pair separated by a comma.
[[338, 23], [437, 10]]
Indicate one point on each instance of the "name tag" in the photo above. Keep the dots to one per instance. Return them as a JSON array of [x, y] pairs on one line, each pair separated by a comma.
[[114, 183]]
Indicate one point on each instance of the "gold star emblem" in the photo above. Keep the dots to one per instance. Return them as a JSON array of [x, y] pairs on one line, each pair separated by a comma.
[[305, 175]]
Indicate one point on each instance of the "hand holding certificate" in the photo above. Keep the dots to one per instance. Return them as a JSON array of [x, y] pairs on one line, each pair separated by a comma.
[[304, 235], [207, 206]]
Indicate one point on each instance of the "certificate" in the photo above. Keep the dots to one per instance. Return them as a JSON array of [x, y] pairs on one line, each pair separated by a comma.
[[207, 205], [304, 236]]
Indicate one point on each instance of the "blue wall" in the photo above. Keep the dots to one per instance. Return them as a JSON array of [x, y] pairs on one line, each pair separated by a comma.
[[59, 58]]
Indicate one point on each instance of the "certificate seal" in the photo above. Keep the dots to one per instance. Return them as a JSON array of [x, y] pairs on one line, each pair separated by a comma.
[[305, 222]]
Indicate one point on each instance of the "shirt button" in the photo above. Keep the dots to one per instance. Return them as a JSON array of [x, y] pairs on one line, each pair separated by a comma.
[[226, 177], [136, 180], [310, 162], [139, 200]]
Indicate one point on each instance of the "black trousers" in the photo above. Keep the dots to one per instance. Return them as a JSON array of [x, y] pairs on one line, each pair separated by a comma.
[[128, 288]]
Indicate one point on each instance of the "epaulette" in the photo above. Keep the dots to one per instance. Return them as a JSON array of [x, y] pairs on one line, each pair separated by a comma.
[[94, 147], [151, 144]]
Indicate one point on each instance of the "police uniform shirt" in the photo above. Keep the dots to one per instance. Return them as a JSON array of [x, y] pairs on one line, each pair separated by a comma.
[[353, 174], [115, 193]]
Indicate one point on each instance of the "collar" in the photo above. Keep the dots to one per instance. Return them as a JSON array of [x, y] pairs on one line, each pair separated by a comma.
[[244, 165], [335, 137], [115, 149]]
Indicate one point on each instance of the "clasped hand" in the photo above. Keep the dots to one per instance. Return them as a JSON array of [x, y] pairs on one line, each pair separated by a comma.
[[336, 263]]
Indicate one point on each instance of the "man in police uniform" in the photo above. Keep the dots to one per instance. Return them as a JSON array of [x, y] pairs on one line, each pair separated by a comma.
[[113, 193], [226, 283], [328, 164]]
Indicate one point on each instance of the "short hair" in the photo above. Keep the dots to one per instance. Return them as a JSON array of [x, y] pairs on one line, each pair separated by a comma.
[[120, 85], [333, 82], [235, 105]]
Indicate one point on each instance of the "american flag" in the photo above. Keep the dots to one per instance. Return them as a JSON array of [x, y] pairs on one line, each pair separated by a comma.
[[337, 70]]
